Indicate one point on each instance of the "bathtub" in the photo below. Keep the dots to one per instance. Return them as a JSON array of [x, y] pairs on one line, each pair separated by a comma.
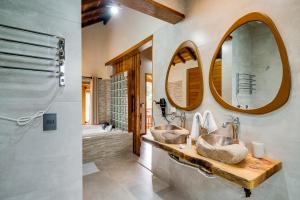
[[94, 130], [100, 144]]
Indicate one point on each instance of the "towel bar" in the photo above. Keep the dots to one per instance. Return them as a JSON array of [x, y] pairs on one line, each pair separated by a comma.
[[59, 57], [27, 43], [29, 31], [29, 69], [28, 56]]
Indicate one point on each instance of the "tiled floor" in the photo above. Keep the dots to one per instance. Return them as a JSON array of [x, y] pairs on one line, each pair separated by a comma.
[[125, 179]]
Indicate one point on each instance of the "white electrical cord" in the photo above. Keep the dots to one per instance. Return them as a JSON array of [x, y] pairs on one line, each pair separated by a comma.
[[22, 121]]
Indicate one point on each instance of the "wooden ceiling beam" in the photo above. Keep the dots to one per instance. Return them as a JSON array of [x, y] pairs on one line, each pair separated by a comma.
[[97, 11], [192, 53], [91, 21], [152, 8], [149, 7], [85, 2], [181, 58], [94, 11]]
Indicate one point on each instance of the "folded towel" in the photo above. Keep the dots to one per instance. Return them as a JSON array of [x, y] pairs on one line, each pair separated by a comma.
[[209, 122], [197, 123], [108, 128]]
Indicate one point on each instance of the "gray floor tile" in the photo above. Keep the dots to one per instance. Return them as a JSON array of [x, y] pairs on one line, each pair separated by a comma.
[[125, 179]]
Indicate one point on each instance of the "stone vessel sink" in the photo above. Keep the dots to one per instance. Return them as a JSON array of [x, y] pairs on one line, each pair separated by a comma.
[[221, 148], [170, 134]]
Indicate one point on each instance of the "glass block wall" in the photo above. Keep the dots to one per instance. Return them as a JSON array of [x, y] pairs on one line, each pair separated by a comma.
[[119, 101]]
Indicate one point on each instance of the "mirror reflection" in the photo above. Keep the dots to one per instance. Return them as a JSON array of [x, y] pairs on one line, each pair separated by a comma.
[[184, 80], [248, 70]]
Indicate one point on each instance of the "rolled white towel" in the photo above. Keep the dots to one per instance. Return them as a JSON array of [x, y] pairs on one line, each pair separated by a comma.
[[209, 122], [197, 123]]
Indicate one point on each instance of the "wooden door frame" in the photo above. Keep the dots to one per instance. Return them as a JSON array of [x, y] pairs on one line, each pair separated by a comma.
[[134, 82], [85, 86], [147, 74], [137, 112]]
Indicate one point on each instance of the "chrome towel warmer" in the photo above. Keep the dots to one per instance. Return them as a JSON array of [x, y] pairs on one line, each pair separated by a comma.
[[245, 82], [59, 59]]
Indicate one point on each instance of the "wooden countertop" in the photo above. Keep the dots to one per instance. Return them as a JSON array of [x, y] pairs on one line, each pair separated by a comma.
[[248, 173]]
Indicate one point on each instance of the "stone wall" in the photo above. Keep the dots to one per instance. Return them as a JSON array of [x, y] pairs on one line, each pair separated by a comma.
[[104, 101]]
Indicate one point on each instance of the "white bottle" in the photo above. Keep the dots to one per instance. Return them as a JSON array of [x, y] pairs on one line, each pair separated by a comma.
[[258, 149], [189, 142]]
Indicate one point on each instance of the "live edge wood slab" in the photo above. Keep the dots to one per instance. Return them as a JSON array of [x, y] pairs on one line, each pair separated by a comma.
[[248, 174]]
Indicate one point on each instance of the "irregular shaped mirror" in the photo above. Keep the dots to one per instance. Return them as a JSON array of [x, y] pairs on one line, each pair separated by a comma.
[[249, 71], [184, 82]]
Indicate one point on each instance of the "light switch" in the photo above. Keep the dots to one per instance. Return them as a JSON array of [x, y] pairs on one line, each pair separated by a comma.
[[49, 122]]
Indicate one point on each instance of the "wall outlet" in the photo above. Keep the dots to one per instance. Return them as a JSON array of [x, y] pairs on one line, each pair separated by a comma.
[[49, 122]]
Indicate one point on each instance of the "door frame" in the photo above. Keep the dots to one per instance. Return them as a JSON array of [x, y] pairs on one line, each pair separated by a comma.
[[134, 85], [147, 74]]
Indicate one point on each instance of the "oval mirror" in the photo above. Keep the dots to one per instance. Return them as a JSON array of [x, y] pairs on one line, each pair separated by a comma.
[[249, 71], [184, 82]]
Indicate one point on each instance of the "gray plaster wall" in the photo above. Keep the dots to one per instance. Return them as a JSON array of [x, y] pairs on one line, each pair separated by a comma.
[[35, 164]]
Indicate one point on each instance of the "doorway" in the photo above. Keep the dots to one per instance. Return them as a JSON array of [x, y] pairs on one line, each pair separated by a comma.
[[149, 99], [146, 90], [86, 100], [136, 62], [146, 105]]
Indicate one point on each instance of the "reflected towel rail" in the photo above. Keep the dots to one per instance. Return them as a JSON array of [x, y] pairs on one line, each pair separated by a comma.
[[244, 82]]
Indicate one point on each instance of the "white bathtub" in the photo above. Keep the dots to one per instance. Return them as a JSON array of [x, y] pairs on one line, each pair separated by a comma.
[[92, 130]]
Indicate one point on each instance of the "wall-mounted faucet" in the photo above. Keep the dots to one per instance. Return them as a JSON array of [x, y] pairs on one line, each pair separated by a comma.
[[235, 123], [182, 118]]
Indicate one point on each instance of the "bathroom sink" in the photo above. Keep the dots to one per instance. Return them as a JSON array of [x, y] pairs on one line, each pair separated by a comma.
[[217, 140], [167, 127], [170, 134], [221, 148]]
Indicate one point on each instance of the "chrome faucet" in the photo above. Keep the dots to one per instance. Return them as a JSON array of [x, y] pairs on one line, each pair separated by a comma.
[[235, 123], [182, 118]]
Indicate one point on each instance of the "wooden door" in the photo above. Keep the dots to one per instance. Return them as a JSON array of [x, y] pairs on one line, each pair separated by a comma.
[[193, 85], [132, 66]]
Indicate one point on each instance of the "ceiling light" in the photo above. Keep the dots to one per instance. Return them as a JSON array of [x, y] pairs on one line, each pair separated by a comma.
[[114, 10]]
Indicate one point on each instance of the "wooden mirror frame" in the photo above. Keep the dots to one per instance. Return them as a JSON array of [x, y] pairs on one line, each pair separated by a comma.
[[193, 46], [284, 91]]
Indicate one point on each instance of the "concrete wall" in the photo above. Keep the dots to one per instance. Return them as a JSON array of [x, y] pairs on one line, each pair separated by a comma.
[[206, 22], [104, 95], [36, 164], [94, 54]]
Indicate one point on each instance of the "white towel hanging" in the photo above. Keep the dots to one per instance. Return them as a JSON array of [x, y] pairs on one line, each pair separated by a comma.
[[197, 123], [209, 122]]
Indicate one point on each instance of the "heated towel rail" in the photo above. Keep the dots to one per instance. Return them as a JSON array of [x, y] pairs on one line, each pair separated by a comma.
[[58, 61], [245, 82]]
